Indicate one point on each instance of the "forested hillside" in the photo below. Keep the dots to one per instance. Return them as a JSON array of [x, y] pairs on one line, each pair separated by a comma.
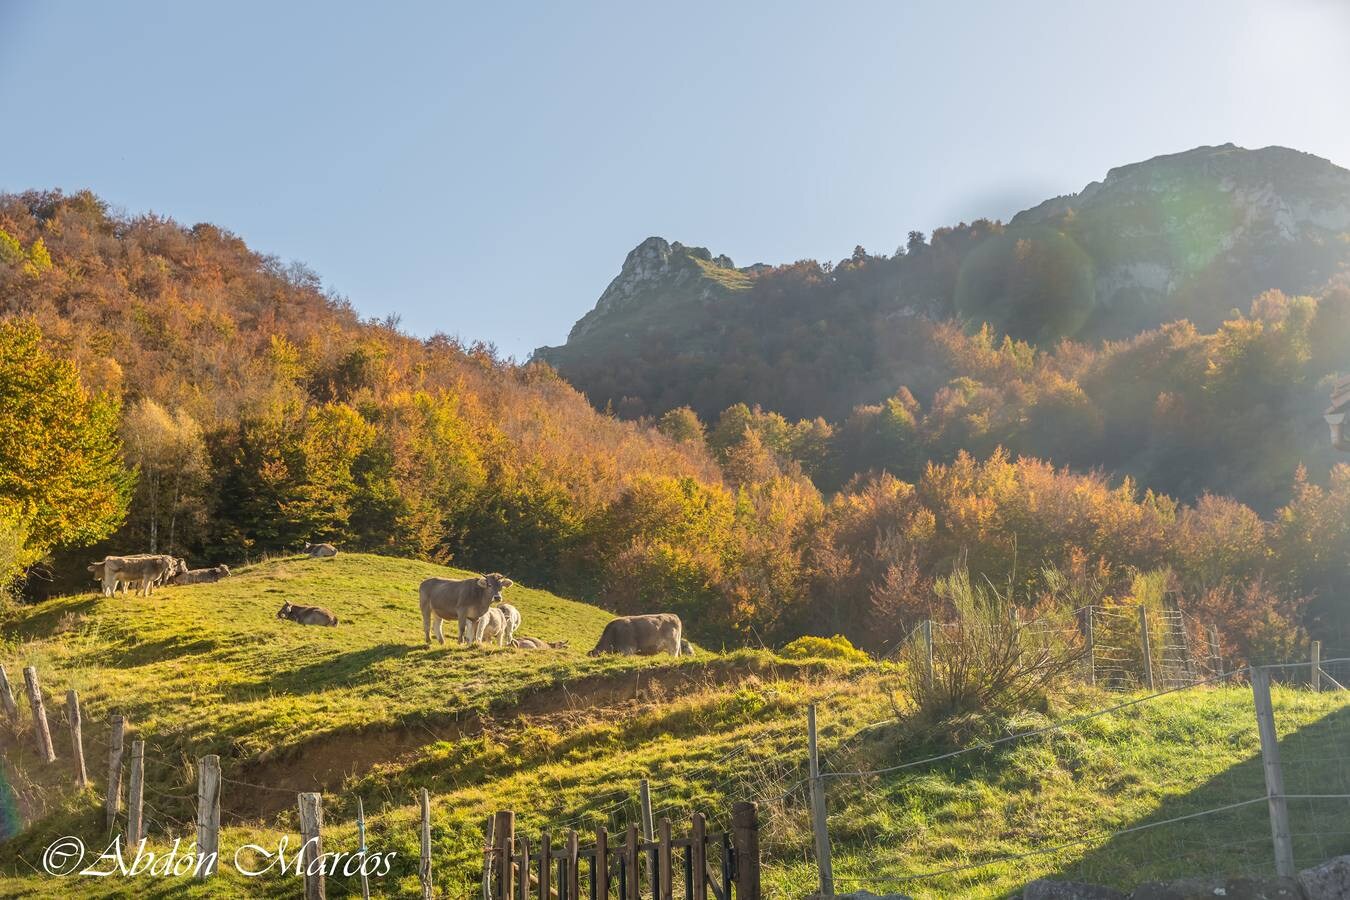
[[1112, 336], [209, 402]]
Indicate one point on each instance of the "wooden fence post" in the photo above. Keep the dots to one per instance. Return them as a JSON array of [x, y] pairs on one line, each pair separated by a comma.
[[1091, 634], [136, 795], [208, 815], [76, 738], [1317, 665], [665, 877], [424, 869], [631, 858], [1147, 649], [7, 697], [600, 874], [648, 828], [523, 867], [504, 839], [745, 834], [545, 864], [1270, 761], [928, 652], [698, 850], [361, 833], [41, 733], [116, 731], [819, 812], [573, 878], [489, 852], [1216, 658], [311, 845]]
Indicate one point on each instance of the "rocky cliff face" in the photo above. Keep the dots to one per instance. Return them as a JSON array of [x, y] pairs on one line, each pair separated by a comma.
[[1212, 218], [657, 270]]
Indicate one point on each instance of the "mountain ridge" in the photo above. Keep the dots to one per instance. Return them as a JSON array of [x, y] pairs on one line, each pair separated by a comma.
[[1189, 235]]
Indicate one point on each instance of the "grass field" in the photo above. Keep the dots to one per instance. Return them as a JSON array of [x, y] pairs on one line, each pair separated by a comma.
[[364, 710]]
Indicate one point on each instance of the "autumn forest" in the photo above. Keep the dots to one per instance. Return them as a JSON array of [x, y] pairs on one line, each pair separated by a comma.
[[169, 389]]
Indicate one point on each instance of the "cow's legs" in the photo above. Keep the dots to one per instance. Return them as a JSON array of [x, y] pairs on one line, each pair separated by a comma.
[[426, 624], [440, 635], [109, 583]]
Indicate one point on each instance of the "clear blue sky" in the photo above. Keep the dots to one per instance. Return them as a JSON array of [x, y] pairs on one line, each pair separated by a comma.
[[483, 169]]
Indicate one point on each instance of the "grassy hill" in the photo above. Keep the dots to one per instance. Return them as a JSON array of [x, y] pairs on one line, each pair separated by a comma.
[[209, 668], [364, 710]]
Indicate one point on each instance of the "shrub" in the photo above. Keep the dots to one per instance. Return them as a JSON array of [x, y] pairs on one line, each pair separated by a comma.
[[986, 660], [812, 647]]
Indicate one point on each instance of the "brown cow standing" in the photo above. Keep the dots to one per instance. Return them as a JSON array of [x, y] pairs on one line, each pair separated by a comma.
[[642, 636], [307, 615], [462, 599], [145, 569]]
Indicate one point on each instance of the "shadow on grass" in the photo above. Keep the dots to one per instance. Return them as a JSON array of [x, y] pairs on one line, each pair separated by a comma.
[[48, 618], [354, 667], [1237, 841], [150, 652]]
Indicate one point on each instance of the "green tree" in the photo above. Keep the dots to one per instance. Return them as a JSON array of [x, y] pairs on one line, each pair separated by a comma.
[[170, 456], [62, 481], [680, 425]]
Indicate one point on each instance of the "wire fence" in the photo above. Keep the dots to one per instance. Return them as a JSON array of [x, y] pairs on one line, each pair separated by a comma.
[[1160, 786]]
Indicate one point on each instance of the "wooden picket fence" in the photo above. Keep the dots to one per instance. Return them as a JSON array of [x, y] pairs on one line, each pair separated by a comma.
[[721, 865]]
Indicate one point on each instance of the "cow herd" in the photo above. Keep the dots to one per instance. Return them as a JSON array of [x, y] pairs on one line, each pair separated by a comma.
[[146, 571], [475, 604]]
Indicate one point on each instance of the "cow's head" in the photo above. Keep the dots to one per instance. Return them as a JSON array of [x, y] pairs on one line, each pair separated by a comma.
[[285, 611], [494, 584], [180, 567], [558, 645]]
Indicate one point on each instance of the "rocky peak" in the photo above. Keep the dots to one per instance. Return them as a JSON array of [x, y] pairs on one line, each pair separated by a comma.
[[653, 264]]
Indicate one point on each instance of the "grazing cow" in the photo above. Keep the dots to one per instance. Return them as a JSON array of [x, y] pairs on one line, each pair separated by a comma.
[[307, 615], [685, 648], [463, 599], [201, 576], [146, 569], [319, 551], [491, 627], [642, 636], [532, 643], [97, 570]]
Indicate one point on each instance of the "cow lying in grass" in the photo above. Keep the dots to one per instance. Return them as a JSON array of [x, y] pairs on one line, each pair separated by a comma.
[[307, 615], [320, 551], [201, 576], [532, 643], [643, 636]]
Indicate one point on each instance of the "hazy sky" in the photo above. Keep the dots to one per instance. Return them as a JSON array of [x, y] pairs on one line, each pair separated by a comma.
[[483, 169]]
